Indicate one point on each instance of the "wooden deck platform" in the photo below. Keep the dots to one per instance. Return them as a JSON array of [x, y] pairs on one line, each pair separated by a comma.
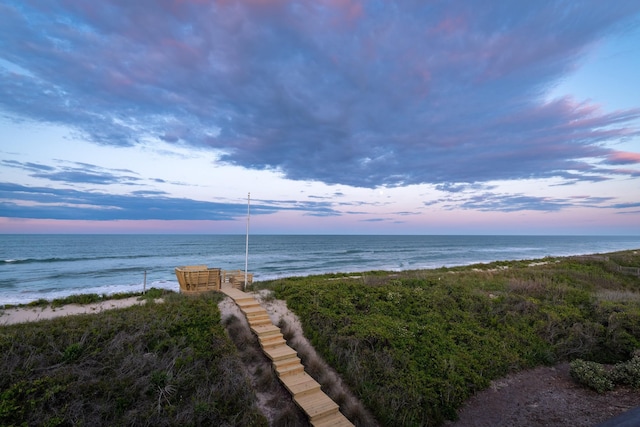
[[306, 392]]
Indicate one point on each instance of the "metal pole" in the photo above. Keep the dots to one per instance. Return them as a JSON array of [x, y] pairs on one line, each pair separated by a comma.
[[246, 251], [144, 286]]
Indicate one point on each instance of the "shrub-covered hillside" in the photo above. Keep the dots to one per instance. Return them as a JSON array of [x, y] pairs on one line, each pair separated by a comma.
[[415, 345], [163, 364]]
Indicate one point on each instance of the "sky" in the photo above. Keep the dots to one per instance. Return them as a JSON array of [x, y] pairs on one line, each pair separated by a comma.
[[337, 116]]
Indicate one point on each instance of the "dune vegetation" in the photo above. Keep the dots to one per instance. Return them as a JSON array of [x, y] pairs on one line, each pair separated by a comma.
[[413, 345], [155, 364]]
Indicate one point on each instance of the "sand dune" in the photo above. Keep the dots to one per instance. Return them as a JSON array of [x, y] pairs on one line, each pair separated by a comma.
[[32, 314]]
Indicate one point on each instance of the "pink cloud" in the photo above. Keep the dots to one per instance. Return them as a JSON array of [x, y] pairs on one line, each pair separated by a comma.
[[448, 26], [623, 158], [351, 9]]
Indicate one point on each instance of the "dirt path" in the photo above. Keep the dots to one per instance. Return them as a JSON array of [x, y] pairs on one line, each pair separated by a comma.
[[545, 396]]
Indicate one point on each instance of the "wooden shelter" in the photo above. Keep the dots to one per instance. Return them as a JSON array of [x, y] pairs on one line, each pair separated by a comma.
[[200, 278]]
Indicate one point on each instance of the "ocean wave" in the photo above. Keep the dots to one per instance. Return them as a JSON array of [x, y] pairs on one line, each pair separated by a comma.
[[18, 261], [7, 284]]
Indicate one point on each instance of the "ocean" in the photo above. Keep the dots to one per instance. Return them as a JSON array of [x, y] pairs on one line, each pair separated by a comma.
[[53, 266]]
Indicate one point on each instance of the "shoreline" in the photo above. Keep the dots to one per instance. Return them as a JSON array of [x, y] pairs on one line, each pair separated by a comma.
[[12, 316], [25, 313], [55, 267]]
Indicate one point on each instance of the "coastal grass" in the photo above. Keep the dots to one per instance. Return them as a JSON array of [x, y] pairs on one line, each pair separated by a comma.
[[415, 345], [153, 364], [82, 299]]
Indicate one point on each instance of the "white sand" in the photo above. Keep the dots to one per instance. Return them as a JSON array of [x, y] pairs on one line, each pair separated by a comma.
[[31, 314]]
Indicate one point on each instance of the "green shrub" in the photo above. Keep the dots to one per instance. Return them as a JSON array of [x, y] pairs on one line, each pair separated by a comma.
[[156, 293], [627, 373], [591, 374], [72, 352], [76, 299], [38, 303], [414, 345]]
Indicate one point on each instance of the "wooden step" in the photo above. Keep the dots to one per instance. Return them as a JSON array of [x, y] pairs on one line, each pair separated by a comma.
[[258, 318], [333, 420], [248, 303], [254, 311], [272, 344], [264, 330], [316, 404], [289, 370], [280, 353], [300, 384], [236, 294], [260, 321], [284, 363], [263, 316], [272, 341]]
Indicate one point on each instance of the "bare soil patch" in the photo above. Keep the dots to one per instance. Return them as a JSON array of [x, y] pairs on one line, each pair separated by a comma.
[[545, 396]]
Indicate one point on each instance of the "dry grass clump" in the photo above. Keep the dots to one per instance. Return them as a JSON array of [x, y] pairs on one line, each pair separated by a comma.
[[612, 295], [528, 286]]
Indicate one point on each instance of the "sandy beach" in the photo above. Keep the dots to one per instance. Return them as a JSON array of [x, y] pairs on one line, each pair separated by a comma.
[[11, 316]]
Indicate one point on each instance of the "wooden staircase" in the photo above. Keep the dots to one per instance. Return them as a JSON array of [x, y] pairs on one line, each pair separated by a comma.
[[306, 392]]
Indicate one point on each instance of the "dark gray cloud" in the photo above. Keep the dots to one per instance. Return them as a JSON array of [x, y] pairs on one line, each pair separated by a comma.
[[514, 203], [626, 205], [500, 202], [18, 201], [28, 166], [451, 187], [75, 173], [343, 92]]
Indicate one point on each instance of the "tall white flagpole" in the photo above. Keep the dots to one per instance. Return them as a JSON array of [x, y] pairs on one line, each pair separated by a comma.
[[246, 251]]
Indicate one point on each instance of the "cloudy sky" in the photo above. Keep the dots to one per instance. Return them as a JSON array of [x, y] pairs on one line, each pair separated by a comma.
[[338, 116]]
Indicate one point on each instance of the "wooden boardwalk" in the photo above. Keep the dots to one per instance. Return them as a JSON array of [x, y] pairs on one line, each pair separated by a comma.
[[306, 392]]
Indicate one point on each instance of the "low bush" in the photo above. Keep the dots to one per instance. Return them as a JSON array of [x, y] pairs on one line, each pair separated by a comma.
[[627, 373], [597, 377], [591, 374], [76, 299]]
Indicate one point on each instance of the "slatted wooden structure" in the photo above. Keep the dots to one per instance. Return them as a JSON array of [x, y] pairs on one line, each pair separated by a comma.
[[306, 392], [198, 278], [236, 278]]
